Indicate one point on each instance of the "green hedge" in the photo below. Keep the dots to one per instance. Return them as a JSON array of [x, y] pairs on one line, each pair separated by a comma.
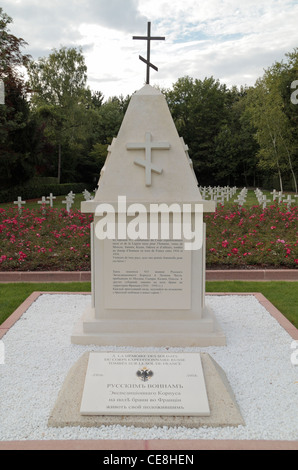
[[36, 191]]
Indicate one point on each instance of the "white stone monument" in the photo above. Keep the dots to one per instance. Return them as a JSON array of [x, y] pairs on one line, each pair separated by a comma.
[[148, 291], [148, 287]]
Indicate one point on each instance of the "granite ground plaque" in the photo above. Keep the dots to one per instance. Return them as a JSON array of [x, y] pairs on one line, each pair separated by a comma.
[[164, 384]]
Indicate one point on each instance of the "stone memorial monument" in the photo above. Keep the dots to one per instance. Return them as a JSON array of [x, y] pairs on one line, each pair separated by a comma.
[[148, 287], [148, 237]]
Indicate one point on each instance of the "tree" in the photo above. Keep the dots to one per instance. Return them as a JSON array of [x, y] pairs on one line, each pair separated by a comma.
[[269, 106], [59, 79], [279, 79], [60, 97], [11, 57], [248, 145], [264, 118], [104, 122], [15, 148], [204, 115], [111, 115]]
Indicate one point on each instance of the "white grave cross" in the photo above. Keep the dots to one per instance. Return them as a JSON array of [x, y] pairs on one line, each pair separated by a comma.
[[19, 202], [87, 195], [289, 201], [280, 197], [69, 202], [148, 146], [51, 199], [264, 201], [43, 202]]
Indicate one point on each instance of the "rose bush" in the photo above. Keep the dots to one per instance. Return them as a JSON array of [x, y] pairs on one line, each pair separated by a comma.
[[46, 239], [37, 241], [241, 237]]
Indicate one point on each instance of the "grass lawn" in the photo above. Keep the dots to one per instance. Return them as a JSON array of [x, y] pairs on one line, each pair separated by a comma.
[[283, 295], [12, 295]]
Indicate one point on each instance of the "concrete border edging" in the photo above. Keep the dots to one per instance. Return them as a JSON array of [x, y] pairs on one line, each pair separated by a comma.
[[149, 445]]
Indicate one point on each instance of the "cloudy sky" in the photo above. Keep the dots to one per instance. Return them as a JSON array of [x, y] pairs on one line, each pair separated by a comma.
[[230, 40]]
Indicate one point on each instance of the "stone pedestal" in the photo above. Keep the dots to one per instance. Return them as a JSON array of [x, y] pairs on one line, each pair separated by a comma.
[[151, 291]]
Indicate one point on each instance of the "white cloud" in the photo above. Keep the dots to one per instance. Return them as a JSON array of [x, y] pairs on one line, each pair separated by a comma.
[[231, 40]]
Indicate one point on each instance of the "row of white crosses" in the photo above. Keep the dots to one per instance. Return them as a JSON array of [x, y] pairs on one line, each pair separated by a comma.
[[217, 194], [43, 201], [276, 196], [281, 198], [69, 200]]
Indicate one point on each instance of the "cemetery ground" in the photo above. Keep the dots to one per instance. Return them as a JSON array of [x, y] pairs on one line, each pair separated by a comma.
[[41, 238], [254, 235]]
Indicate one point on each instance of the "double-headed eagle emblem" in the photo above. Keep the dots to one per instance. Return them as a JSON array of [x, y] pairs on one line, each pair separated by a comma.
[[144, 374]]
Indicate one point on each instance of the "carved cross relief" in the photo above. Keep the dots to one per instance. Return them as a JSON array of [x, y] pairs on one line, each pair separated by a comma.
[[148, 146]]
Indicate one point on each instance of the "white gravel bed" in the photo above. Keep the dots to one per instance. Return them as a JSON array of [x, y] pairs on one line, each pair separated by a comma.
[[256, 360]]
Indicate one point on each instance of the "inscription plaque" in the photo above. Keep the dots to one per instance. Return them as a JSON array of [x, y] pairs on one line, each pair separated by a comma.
[[147, 274], [169, 384]]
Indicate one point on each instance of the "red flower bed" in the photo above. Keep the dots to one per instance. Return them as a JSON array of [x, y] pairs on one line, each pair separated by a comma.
[[37, 241], [244, 238], [236, 238]]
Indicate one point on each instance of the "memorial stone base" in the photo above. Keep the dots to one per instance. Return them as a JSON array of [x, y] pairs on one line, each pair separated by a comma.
[[224, 410], [148, 333]]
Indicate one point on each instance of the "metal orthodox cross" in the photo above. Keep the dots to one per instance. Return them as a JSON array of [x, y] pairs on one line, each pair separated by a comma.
[[149, 38], [148, 146]]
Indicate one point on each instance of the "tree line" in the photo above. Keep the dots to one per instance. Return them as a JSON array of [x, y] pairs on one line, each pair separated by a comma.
[[53, 125]]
